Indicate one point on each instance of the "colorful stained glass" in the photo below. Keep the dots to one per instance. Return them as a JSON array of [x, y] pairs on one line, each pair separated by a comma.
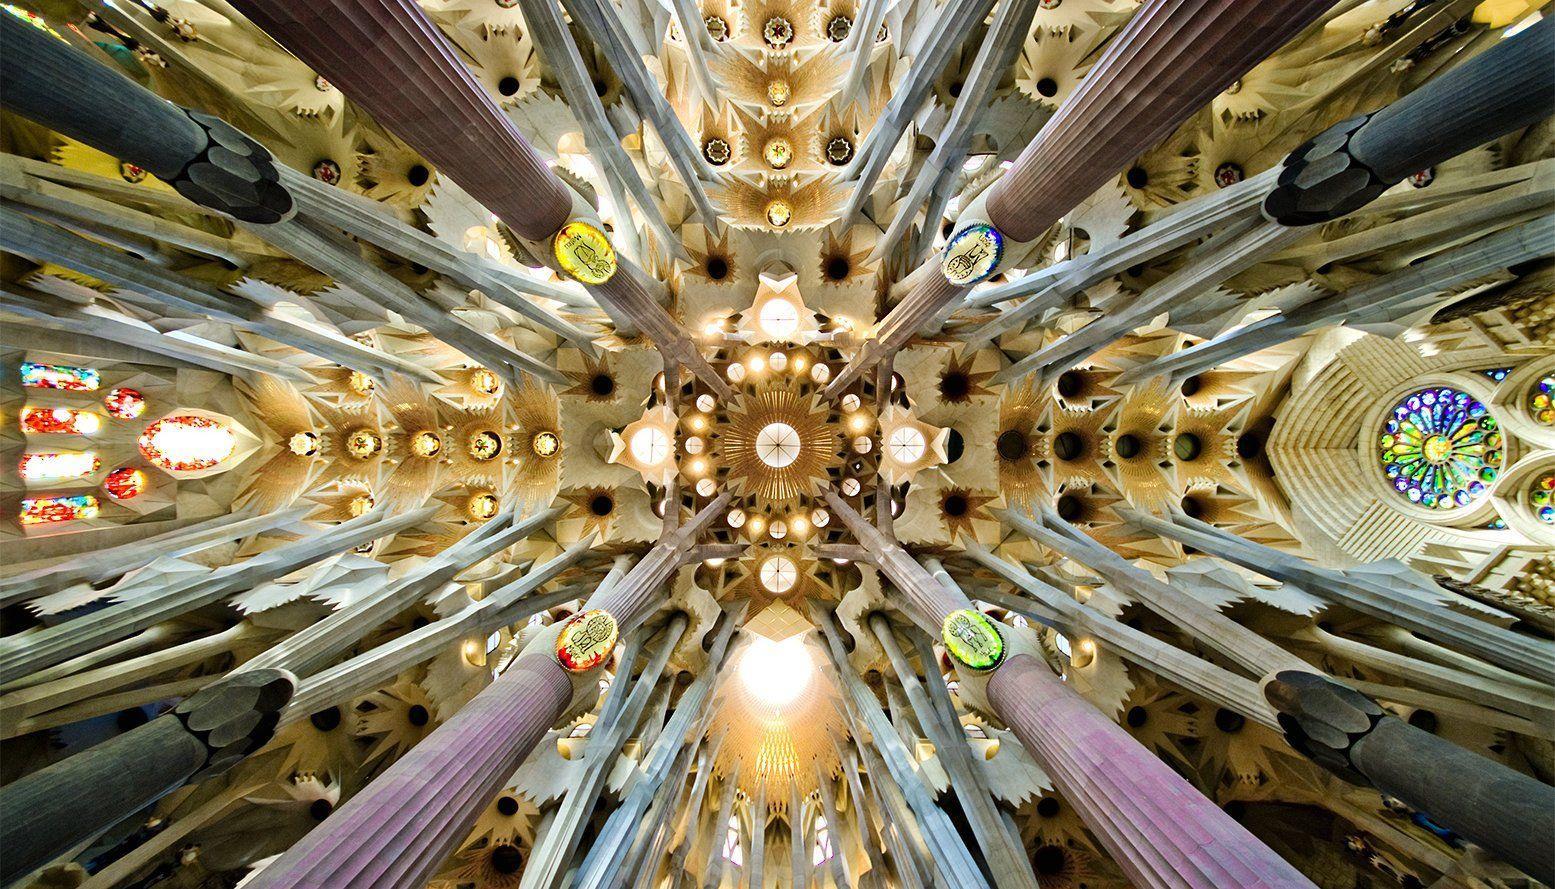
[[1441, 449], [125, 483], [1539, 401], [586, 640], [1541, 498], [187, 443], [1497, 374], [49, 510], [60, 376], [58, 466], [124, 403], [972, 639], [59, 421]]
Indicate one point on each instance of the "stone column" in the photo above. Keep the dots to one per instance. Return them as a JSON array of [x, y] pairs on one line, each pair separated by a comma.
[[398, 831], [928, 601], [201, 157], [1505, 88], [390, 59], [1507, 812], [1172, 58], [1169, 60], [1158, 828], [45, 814]]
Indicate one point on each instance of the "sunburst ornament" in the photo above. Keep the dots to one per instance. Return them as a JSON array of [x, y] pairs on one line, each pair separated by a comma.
[[777, 444]]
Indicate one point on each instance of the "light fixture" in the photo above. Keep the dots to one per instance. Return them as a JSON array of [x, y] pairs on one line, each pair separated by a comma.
[[426, 444], [778, 152], [820, 373], [716, 151], [776, 673], [778, 318], [735, 517], [778, 93], [777, 31], [545, 444], [779, 574], [779, 213], [650, 446], [736, 372], [303, 444], [485, 382], [484, 445], [705, 402], [756, 362], [850, 402], [777, 361], [777, 445], [906, 445], [706, 487]]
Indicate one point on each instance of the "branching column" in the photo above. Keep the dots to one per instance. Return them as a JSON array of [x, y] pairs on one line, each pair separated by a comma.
[[1171, 58], [1160, 830], [203, 158], [390, 59], [397, 831]]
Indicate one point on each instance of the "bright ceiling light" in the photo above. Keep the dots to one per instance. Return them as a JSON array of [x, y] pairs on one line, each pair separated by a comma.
[[650, 446], [779, 319], [777, 673], [777, 445]]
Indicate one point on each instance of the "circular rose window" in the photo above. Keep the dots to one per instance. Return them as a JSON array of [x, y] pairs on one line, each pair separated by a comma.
[[1441, 449]]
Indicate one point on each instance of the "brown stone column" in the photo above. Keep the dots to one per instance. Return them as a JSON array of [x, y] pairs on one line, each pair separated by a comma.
[[1172, 58], [1159, 829], [392, 60]]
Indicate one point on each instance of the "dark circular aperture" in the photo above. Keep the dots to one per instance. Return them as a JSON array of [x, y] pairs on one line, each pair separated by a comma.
[[326, 720], [1127, 446], [1013, 445], [418, 175], [418, 715], [1068, 446], [602, 505]]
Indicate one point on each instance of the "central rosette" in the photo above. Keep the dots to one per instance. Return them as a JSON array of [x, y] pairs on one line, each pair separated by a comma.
[[778, 443]]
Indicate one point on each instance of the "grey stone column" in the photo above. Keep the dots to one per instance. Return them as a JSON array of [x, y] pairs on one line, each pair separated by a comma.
[[202, 157], [1504, 88], [1507, 812], [45, 814]]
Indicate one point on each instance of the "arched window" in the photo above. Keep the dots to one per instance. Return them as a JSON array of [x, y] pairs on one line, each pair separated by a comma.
[[823, 846], [734, 853]]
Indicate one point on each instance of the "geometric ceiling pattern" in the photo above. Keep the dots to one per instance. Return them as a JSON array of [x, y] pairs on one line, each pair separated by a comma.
[[605, 443]]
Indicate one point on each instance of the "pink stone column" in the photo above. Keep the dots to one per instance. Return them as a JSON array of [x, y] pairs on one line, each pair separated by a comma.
[[1160, 830], [400, 829], [1172, 58], [390, 59]]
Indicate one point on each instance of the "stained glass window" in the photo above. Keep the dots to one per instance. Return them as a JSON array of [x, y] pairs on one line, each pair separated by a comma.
[[186, 443], [59, 421], [125, 483], [124, 403], [58, 466], [60, 376], [1440, 448], [1539, 401], [49, 510], [1541, 497]]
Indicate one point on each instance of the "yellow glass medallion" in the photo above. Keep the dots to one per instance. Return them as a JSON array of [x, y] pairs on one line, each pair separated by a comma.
[[584, 253], [586, 640], [972, 639]]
